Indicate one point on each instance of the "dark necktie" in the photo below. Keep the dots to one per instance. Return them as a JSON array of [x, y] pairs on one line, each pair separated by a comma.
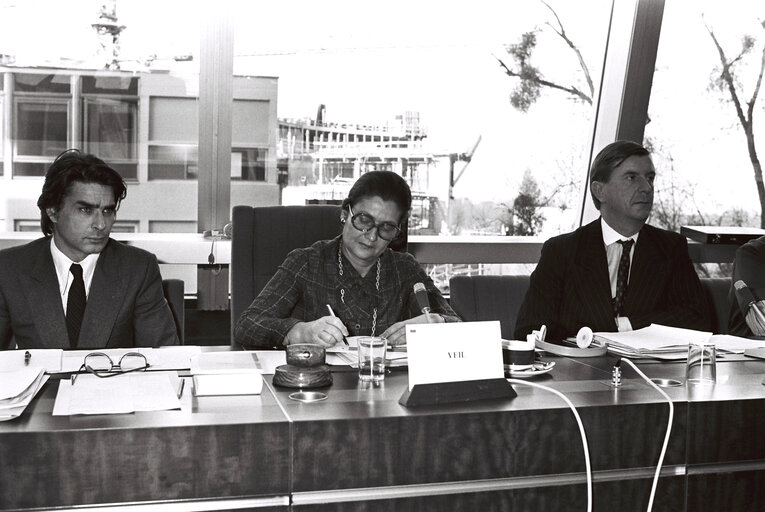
[[75, 305], [622, 275]]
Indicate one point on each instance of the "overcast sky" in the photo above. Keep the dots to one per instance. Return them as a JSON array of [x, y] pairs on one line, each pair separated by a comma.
[[368, 62]]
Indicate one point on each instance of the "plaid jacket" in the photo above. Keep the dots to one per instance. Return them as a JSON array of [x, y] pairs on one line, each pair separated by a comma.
[[309, 279]]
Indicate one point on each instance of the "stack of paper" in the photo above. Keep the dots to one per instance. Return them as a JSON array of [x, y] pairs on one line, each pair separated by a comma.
[[655, 341], [226, 373], [17, 388]]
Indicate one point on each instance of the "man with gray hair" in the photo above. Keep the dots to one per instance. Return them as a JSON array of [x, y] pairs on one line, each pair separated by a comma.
[[616, 273]]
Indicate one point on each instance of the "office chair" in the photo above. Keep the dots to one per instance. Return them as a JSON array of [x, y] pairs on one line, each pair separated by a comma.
[[173, 291], [480, 298], [263, 236]]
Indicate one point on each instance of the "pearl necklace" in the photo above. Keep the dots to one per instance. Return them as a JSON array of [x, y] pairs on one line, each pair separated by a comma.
[[342, 290]]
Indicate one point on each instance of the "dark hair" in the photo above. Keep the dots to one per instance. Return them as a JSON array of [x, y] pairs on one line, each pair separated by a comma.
[[611, 157], [386, 185], [69, 167]]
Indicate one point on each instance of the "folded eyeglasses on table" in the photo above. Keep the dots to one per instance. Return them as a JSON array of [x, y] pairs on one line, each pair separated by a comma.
[[101, 365]]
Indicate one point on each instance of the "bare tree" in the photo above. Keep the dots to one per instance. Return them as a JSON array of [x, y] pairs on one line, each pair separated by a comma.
[[727, 82], [531, 80]]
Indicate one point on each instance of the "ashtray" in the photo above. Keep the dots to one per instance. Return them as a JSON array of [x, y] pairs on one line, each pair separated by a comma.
[[301, 377], [308, 396]]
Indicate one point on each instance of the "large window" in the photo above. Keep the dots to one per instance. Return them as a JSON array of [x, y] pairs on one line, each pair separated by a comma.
[[111, 117], [706, 165], [494, 98]]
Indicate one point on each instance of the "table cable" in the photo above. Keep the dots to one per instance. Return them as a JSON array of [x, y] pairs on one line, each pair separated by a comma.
[[666, 436], [581, 431]]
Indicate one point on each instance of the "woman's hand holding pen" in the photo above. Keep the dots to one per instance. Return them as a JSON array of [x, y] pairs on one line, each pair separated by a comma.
[[326, 331]]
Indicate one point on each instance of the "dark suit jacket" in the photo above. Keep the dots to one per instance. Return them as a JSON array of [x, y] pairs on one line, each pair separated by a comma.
[[125, 308], [750, 268], [570, 287]]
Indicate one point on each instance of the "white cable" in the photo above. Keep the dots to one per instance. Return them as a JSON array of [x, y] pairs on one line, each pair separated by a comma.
[[666, 436], [581, 431]]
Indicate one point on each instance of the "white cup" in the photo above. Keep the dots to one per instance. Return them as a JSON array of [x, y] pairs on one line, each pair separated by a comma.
[[518, 355]]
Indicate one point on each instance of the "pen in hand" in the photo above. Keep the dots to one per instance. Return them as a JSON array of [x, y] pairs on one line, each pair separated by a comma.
[[332, 313]]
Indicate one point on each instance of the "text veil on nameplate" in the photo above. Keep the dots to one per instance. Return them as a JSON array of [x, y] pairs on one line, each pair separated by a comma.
[[454, 352]]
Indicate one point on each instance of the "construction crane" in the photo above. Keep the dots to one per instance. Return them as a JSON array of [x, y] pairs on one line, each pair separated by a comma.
[[459, 157]]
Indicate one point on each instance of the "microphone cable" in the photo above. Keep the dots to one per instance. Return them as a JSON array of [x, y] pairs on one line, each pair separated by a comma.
[[586, 448], [666, 436]]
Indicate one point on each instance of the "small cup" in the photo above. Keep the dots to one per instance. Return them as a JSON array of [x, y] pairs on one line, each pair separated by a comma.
[[372, 358], [701, 367], [518, 355]]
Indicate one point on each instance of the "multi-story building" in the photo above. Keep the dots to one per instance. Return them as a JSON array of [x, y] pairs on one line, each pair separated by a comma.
[[146, 125]]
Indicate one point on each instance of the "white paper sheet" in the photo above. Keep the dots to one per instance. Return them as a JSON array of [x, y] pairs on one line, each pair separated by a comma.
[[49, 359], [131, 392]]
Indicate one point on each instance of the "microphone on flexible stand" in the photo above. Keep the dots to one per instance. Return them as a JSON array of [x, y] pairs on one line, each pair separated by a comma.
[[421, 296], [750, 307]]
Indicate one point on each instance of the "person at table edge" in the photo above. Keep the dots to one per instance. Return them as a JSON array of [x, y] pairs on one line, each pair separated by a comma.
[[368, 286], [749, 267], [120, 286], [575, 282]]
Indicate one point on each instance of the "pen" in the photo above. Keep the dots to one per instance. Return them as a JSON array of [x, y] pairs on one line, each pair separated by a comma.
[[27, 357], [332, 313], [180, 387]]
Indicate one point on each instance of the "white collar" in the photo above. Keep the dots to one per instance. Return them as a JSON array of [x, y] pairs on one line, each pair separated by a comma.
[[62, 263], [610, 235]]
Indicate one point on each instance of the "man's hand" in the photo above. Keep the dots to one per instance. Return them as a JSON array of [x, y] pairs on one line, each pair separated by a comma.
[[326, 331], [396, 333]]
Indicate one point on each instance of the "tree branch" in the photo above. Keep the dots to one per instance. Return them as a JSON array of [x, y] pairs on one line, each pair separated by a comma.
[[562, 34], [541, 81], [728, 79]]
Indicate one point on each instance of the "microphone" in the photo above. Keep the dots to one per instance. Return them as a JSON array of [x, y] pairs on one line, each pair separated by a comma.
[[421, 296], [750, 308], [744, 296]]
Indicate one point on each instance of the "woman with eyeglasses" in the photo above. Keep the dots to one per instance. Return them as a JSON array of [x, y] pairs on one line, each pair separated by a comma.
[[350, 286]]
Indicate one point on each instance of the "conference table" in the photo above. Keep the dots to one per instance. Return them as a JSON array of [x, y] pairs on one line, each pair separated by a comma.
[[360, 450]]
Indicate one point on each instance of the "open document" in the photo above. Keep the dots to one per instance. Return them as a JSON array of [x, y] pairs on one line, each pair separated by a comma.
[[131, 392], [341, 354]]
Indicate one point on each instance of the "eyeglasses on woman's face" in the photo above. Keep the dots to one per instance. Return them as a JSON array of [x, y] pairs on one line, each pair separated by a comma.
[[365, 223]]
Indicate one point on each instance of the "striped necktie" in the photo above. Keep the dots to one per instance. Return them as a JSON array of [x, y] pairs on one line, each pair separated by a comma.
[[622, 275]]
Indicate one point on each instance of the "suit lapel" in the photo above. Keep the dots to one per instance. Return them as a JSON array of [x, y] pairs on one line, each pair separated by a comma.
[[104, 300], [592, 274], [648, 268], [42, 292]]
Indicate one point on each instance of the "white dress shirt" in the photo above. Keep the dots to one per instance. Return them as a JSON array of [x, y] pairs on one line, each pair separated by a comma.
[[65, 277], [611, 240]]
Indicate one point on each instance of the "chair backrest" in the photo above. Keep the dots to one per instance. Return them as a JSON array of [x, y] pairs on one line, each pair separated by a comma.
[[716, 290], [173, 291], [478, 298], [263, 236]]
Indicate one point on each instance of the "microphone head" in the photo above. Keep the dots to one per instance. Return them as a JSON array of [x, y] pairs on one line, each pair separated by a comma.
[[744, 296], [421, 296]]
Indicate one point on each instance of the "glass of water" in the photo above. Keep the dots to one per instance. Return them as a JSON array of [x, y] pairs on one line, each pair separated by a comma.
[[371, 358]]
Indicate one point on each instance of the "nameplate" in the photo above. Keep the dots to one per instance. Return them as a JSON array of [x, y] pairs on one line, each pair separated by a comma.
[[454, 352]]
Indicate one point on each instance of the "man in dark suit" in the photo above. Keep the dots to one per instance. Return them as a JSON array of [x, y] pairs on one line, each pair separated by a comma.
[[748, 267], [76, 287], [616, 273]]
